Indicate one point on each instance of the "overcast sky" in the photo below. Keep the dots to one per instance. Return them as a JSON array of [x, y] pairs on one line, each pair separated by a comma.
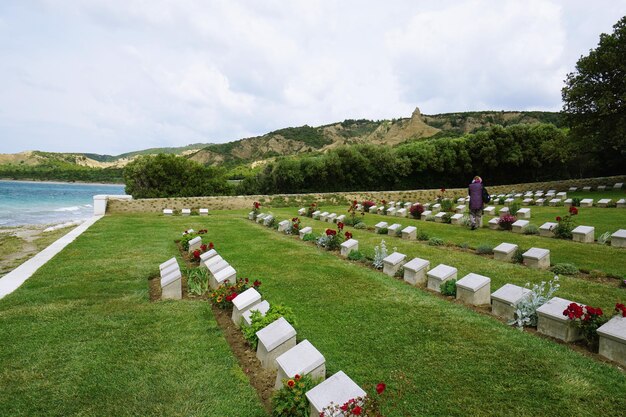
[[112, 76]]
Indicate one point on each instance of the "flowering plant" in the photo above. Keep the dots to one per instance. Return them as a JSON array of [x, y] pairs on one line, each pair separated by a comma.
[[224, 295], [309, 211], [203, 248], [383, 207], [290, 400], [352, 210], [348, 235], [416, 210], [506, 221], [573, 210], [255, 208], [367, 406], [564, 227], [588, 319], [367, 204], [294, 227], [620, 309]]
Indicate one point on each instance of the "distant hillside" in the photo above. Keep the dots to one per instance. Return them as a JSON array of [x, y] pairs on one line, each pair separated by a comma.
[[249, 154]]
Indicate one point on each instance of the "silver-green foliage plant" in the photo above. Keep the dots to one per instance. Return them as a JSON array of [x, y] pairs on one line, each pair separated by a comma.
[[531, 230], [380, 253], [198, 280], [526, 309], [604, 238]]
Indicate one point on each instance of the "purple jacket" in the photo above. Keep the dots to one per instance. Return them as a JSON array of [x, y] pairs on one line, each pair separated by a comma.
[[476, 196]]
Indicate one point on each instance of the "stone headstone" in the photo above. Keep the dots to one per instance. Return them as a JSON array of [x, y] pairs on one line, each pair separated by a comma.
[[583, 234], [302, 359], [460, 208], [587, 188], [215, 267], [552, 322], [283, 225], [268, 220], [316, 214], [244, 301], [618, 185], [613, 339], [440, 274], [539, 202], [195, 243], [212, 260], [393, 262], [490, 211], [349, 246], [263, 307], [391, 211], [373, 209], [474, 289], [503, 211], [340, 218], [456, 218], [621, 203], [394, 229], [601, 187], [604, 202], [324, 215], [168, 264], [305, 231], [527, 201], [520, 226], [504, 252], [439, 216], [537, 258], [408, 205], [503, 300], [261, 217], [568, 202], [523, 213], [185, 212], [207, 255], [203, 211], [547, 229], [415, 271], [586, 202], [401, 212], [555, 202], [274, 340], [425, 214], [573, 189], [618, 239], [338, 389], [508, 201], [435, 208], [562, 195], [493, 223], [380, 225], [302, 211], [331, 217], [227, 274], [409, 233], [251, 215], [168, 212], [171, 286]]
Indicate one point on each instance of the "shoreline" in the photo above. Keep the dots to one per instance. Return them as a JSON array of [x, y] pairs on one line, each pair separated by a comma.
[[111, 184]]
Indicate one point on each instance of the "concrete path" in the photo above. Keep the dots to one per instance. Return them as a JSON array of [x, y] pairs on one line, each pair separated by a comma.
[[11, 281]]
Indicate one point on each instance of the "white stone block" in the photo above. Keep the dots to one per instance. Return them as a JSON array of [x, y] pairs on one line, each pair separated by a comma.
[[409, 233], [263, 307], [316, 214], [583, 234], [393, 262], [283, 225], [168, 264], [251, 215], [439, 216], [613, 339], [539, 202], [207, 255], [302, 359], [573, 189], [168, 212], [537, 258], [349, 246], [203, 211], [242, 302], [331, 217], [380, 209], [618, 185], [586, 202], [503, 211], [415, 271], [435, 208], [503, 301], [601, 187], [618, 239], [508, 201], [504, 252], [568, 202], [440, 274], [552, 322], [520, 226], [338, 389], [215, 267], [518, 195], [426, 206], [305, 231], [268, 220], [324, 215], [195, 243], [604, 202], [302, 211], [401, 212], [227, 274], [391, 211], [373, 209], [425, 214], [380, 225], [527, 201], [392, 203], [493, 223], [562, 195], [212, 260], [260, 217], [394, 229], [621, 203], [490, 211], [555, 202], [460, 208], [547, 229], [474, 289], [274, 340], [456, 218], [587, 188], [340, 218], [185, 212], [523, 213], [171, 286], [461, 200], [408, 205]]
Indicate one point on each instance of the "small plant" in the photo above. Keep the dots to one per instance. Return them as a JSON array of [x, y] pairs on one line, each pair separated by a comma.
[[256, 206], [464, 245], [514, 207], [367, 204], [356, 255], [329, 240], [224, 295], [416, 210], [448, 288], [309, 237], [526, 309], [518, 256], [505, 222], [380, 253], [435, 241], [368, 406], [353, 210], [564, 227], [501, 201], [484, 249], [399, 273], [446, 205], [576, 202], [382, 231], [360, 225], [311, 209], [466, 221], [259, 321], [294, 227], [564, 269], [430, 218], [446, 218], [573, 210], [197, 280], [588, 319], [531, 230], [604, 238], [422, 235], [290, 400]]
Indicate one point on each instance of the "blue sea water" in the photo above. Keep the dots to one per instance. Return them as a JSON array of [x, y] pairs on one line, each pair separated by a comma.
[[25, 202]]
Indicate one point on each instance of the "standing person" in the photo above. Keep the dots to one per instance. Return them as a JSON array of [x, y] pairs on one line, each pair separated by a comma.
[[478, 196]]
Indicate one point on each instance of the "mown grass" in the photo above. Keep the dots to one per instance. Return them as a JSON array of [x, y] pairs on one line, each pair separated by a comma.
[[81, 338]]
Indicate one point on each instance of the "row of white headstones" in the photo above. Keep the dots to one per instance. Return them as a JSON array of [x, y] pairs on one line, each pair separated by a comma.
[[475, 289], [277, 349]]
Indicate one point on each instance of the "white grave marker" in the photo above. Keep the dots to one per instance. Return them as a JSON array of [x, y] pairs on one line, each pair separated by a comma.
[[440, 274], [274, 340], [415, 271], [302, 359]]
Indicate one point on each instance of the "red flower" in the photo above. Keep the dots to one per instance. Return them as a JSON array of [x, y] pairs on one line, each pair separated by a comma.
[[357, 410], [380, 388], [231, 296], [297, 377], [384, 202], [203, 247], [443, 190], [558, 218], [291, 383], [348, 235], [257, 204], [573, 210], [621, 308], [211, 245], [196, 253], [573, 311], [354, 203], [330, 232], [344, 407], [340, 225], [256, 283]]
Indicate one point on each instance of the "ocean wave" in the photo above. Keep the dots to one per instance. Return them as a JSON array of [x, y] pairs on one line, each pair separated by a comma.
[[71, 208]]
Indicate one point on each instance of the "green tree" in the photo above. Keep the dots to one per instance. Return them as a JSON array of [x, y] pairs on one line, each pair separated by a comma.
[[594, 101], [167, 175]]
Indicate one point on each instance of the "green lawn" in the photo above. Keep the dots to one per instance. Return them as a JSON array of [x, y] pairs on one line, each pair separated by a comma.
[[81, 338]]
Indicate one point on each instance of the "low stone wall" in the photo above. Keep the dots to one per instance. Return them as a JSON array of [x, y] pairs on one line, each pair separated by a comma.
[[156, 205]]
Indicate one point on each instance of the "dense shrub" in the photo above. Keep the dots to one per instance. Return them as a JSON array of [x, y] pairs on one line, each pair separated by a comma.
[[564, 269]]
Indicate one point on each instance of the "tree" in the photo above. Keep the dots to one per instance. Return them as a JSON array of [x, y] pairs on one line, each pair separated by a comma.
[[594, 102]]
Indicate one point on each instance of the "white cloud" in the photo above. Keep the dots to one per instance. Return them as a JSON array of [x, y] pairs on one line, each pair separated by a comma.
[[119, 75]]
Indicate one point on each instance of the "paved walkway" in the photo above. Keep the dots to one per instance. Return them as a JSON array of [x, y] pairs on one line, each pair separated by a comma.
[[11, 281]]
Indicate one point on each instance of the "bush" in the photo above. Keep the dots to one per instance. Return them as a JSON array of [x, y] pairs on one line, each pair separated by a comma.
[[564, 227], [259, 321], [526, 309], [447, 218], [484, 249], [564, 269], [356, 255], [446, 205], [518, 257], [383, 231], [506, 221], [416, 210], [531, 230], [514, 207], [576, 202], [435, 241], [380, 253], [309, 237], [422, 235], [430, 218], [290, 400], [449, 287], [360, 225]]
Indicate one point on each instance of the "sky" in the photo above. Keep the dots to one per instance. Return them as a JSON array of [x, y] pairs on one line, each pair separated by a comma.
[[113, 76]]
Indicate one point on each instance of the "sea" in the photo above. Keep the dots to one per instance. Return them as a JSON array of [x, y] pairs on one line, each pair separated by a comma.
[[35, 203]]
